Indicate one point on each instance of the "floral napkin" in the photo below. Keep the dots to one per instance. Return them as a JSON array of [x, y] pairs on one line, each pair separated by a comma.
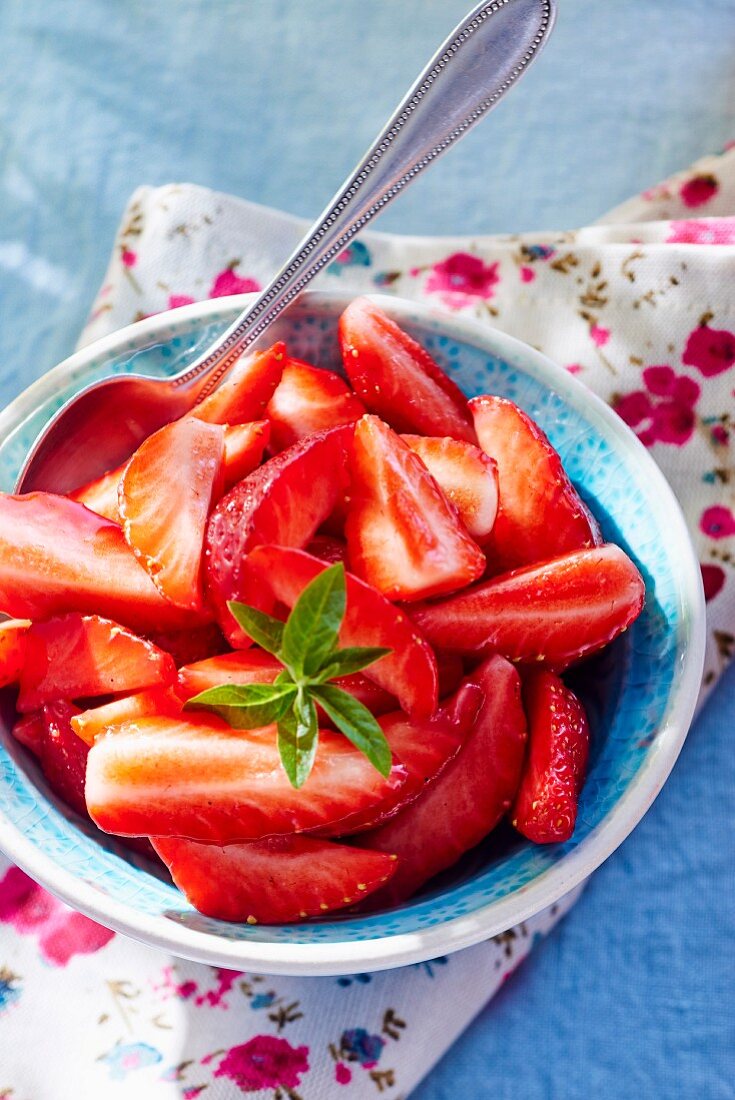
[[640, 307]]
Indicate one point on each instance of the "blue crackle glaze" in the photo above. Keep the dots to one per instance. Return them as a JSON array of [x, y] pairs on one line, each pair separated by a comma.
[[626, 690]]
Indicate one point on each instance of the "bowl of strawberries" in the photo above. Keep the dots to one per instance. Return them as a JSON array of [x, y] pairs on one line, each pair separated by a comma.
[[378, 651]]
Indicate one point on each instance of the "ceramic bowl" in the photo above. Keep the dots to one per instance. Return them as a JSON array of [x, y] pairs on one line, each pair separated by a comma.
[[640, 693]]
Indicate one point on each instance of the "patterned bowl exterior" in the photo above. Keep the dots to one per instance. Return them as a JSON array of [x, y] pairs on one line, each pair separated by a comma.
[[640, 694]]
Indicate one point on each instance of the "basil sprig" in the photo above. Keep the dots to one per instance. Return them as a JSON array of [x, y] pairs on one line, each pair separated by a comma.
[[307, 646]]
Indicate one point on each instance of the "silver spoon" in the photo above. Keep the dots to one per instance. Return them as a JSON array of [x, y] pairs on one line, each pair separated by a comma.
[[480, 61]]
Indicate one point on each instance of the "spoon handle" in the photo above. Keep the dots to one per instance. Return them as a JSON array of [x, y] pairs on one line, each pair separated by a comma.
[[470, 73]]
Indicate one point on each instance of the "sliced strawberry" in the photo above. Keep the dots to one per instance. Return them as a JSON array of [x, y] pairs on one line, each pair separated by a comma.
[[545, 808], [78, 656], [284, 501], [91, 724], [450, 667], [198, 778], [186, 646], [424, 748], [12, 649], [308, 399], [541, 514], [165, 496], [101, 495], [409, 672], [246, 390], [467, 477], [470, 795], [397, 378], [63, 756], [276, 881], [554, 613], [244, 447], [328, 548], [30, 730], [403, 536], [57, 556], [254, 666]]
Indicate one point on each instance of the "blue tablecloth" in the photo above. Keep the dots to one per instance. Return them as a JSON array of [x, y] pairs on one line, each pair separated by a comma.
[[633, 996]]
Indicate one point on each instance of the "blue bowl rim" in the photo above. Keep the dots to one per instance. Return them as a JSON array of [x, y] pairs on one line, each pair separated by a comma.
[[385, 952]]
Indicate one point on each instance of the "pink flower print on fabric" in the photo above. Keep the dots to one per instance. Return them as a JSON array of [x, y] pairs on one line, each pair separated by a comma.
[[461, 279], [710, 350], [527, 274], [713, 579], [665, 411], [600, 335], [717, 522], [61, 932], [177, 300], [699, 190], [128, 257], [227, 282], [703, 231], [264, 1062]]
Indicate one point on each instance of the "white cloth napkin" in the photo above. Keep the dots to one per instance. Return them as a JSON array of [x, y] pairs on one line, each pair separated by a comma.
[[639, 306]]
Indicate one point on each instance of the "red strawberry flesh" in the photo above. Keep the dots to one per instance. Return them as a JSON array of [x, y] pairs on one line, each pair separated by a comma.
[[243, 395], [467, 477], [309, 400], [13, 634]]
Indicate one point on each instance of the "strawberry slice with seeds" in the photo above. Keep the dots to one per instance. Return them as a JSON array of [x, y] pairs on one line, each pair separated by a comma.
[[467, 477], [57, 556], [276, 881], [187, 646], [29, 731], [540, 515], [91, 724], [469, 796], [409, 672], [198, 778], [165, 496], [397, 378], [246, 390], [554, 613], [328, 548], [545, 808], [403, 536], [284, 501], [244, 448], [12, 649], [63, 756], [424, 748], [78, 656], [307, 400]]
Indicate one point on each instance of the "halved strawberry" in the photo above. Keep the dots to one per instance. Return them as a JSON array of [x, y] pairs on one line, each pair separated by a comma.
[[57, 556], [541, 514], [79, 656], [91, 724], [196, 777], [308, 399], [63, 756], [450, 667], [244, 447], [284, 501], [165, 495], [397, 378], [403, 536], [187, 646], [554, 613], [545, 808], [467, 477], [469, 796], [424, 748], [328, 548], [409, 672], [12, 649], [102, 494], [246, 390], [29, 731], [274, 881], [254, 666]]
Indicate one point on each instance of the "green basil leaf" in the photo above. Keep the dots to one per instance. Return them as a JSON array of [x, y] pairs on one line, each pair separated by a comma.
[[356, 723], [310, 634], [298, 736], [246, 706], [266, 631], [343, 662]]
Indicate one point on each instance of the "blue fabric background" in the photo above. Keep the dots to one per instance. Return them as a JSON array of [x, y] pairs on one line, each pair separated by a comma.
[[634, 997]]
